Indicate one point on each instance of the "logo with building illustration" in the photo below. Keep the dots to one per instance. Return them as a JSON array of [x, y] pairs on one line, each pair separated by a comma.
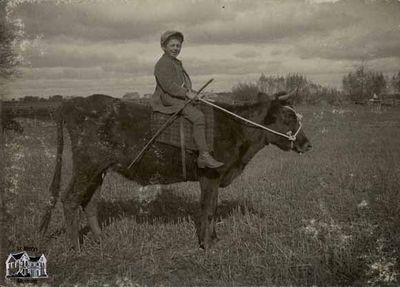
[[22, 266]]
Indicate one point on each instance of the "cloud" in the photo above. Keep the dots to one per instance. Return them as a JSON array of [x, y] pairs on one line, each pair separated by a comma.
[[112, 20], [67, 57], [341, 24], [246, 54], [361, 47], [116, 43], [271, 22], [132, 66], [321, 1], [204, 22], [375, 34]]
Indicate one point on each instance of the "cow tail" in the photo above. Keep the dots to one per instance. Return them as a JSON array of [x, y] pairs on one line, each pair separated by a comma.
[[55, 184]]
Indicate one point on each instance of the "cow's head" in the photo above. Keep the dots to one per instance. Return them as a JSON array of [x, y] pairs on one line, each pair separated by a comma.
[[283, 119]]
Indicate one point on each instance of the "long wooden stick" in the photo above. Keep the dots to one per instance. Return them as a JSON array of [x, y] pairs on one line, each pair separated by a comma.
[[171, 118]]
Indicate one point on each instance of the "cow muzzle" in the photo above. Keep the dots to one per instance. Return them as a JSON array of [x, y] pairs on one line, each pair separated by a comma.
[[301, 145]]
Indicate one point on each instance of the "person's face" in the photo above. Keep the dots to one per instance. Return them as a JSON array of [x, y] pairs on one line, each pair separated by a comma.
[[173, 47]]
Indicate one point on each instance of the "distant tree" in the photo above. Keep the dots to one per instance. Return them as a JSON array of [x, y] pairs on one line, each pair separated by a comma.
[[271, 84], [396, 82], [376, 83], [275, 84], [362, 84], [8, 56], [307, 93], [55, 98], [245, 92], [8, 63], [354, 84], [30, 99], [300, 82], [294, 81]]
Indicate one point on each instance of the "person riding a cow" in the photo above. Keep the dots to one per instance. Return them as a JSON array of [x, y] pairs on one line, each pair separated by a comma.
[[173, 88]]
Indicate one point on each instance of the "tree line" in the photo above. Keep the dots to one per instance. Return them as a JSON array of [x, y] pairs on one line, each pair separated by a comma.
[[358, 85], [362, 83], [307, 91], [55, 98]]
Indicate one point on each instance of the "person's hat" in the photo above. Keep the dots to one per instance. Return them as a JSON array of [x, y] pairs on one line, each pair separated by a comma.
[[168, 34]]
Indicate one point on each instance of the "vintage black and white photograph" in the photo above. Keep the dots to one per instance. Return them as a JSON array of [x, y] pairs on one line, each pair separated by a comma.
[[200, 143]]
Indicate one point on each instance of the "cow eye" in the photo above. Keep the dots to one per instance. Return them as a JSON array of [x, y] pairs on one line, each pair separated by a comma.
[[291, 115]]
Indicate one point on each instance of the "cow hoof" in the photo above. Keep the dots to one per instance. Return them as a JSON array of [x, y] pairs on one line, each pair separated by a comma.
[[209, 244], [94, 240], [73, 250]]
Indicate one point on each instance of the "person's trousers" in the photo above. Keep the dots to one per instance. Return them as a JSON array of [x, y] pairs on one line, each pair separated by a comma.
[[196, 117]]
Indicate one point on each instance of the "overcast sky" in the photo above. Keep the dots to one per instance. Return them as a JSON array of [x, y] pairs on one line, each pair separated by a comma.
[[84, 47]]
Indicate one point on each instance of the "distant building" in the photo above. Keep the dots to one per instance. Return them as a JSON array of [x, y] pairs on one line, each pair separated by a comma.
[[21, 265], [131, 96], [375, 99]]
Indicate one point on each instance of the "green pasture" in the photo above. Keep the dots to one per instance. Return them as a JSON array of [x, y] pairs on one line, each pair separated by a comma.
[[327, 217]]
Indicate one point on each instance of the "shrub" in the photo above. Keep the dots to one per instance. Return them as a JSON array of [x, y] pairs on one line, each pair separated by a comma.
[[245, 92]]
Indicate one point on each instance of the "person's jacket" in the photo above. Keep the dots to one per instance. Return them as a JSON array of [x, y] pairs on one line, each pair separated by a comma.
[[172, 84]]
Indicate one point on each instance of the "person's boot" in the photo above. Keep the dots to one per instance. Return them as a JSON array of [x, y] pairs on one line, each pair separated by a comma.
[[206, 160]]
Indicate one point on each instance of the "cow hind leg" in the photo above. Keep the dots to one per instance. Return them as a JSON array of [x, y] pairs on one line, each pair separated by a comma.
[[209, 195], [90, 202], [79, 193]]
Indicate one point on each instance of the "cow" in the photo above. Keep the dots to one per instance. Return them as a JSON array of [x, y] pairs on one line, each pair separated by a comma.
[[107, 133], [8, 121], [11, 125]]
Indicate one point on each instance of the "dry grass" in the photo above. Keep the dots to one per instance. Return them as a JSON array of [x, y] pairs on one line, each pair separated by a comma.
[[328, 217]]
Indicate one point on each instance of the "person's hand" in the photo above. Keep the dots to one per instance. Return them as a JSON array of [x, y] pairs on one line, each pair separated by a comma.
[[192, 95]]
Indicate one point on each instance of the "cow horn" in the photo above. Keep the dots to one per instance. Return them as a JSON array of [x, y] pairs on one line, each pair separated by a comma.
[[288, 95]]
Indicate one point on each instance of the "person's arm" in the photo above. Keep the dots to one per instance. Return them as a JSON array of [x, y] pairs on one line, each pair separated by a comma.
[[167, 78]]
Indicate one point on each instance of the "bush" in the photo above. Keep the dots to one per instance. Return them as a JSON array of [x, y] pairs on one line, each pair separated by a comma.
[[308, 93], [245, 92]]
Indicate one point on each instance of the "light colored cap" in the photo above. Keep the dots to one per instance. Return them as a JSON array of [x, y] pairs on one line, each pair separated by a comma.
[[168, 34]]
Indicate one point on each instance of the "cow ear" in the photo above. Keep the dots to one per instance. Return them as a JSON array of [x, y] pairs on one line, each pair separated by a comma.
[[288, 102], [285, 102], [287, 97], [279, 94], [263, 97]]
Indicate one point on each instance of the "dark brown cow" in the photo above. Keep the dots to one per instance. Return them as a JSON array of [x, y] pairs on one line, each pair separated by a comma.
[[108, 133], [11, 125]]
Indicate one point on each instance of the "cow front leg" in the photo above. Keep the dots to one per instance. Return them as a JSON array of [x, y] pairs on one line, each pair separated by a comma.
[[214, 236], [71, 217], [209, 189]]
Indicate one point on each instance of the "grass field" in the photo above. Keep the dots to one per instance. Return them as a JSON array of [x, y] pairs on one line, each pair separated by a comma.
[[328, 217]]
